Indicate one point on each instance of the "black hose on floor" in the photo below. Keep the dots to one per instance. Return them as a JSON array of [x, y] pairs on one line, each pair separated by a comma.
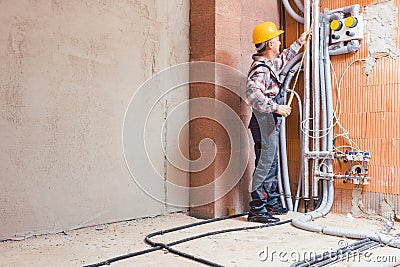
[[126, 256], [167, 246], [347, 252], [333, 255], [158, 246], [348, 255]]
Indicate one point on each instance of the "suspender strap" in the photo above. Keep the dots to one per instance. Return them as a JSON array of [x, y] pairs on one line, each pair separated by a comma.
[[273, 75]]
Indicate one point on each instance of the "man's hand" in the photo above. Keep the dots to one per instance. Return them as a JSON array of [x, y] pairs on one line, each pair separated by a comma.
[[303, 37], [284, 110]]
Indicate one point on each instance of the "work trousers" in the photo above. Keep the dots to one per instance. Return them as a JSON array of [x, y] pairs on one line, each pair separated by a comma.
[[265, 131]]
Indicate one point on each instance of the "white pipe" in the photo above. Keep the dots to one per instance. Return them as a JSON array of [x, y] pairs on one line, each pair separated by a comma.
[[316, 93], [292, 13], [280, 187], [303, 221], [351, 47], [299, 4], [285, 172], [306, 106], [354, 10], [288, 73]]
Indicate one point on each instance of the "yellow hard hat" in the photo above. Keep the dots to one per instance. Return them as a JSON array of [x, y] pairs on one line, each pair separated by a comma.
[[265, 31]]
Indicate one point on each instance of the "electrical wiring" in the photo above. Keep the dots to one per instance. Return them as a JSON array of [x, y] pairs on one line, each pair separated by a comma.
[[352, 144], [347, 252], [337, 108], [337, 112], [303, 129], [159, 246], [336, 115]]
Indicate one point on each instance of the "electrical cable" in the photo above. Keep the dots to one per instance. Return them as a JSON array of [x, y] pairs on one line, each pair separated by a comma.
[[159, 246], [348, 254], [177, 252], [326, 255], [351, 250]]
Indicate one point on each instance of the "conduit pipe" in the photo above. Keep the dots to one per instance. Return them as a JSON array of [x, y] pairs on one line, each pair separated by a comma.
[[333, 14], [303, 221], [299, 4], [351, 47], [306, 113], [287, 74], [292, 13], [324, 106], [290, 66], [279, 178], [284, 164], [286, 85], [300, 180], [316, 96]]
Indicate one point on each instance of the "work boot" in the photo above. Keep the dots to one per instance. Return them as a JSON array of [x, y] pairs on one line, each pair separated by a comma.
[[277, 210], [261, 218]]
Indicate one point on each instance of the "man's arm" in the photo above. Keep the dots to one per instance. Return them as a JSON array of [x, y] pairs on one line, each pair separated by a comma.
[[290, 52]]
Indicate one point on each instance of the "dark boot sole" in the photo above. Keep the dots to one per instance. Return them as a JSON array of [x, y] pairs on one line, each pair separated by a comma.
[[275, 220], [277, 213]]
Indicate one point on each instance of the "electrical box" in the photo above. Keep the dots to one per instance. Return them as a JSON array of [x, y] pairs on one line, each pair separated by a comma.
[[349, 28]]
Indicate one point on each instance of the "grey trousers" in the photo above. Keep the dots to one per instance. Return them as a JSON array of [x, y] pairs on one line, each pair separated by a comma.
[[265, 131]]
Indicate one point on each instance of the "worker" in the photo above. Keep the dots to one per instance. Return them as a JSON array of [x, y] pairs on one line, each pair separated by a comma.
[[264, 94]]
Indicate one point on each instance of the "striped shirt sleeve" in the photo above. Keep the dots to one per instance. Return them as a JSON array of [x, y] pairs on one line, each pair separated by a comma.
[[286, 55]]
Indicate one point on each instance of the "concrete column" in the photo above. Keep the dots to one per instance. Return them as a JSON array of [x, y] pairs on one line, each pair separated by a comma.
[[221, 31]]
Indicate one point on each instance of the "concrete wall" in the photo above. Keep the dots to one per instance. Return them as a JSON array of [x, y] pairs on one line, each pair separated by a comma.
[[68, 71], [224, 35]]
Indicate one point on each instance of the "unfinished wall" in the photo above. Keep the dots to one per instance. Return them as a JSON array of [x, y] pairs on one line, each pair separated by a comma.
[[370, 110], [68, 72], [221, 31]]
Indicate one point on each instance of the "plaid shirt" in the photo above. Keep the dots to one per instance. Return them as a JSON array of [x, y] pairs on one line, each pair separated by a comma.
[[261, 88]]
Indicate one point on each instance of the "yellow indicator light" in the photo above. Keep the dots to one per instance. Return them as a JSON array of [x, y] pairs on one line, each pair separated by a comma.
[[350, 22], [336, 25]]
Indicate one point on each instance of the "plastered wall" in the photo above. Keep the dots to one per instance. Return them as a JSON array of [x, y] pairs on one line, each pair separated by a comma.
[[68, 70]]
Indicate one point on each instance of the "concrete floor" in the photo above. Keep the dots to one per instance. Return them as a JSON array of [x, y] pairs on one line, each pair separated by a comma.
[[274, 246]]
